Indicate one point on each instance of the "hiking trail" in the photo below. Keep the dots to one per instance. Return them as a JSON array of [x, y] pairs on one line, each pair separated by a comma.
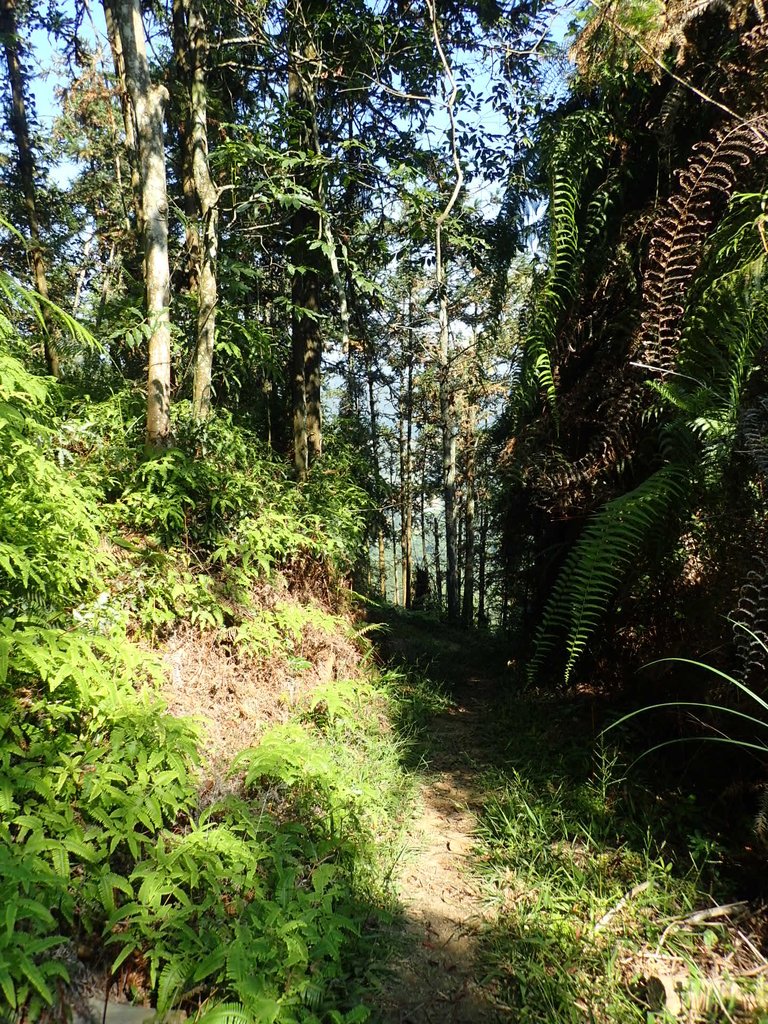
[[437, 979]]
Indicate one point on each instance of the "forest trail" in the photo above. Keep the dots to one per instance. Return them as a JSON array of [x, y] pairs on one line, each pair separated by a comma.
[[436, 979]]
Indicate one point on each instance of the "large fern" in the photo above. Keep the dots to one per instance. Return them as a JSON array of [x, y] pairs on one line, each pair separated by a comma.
[[705, 188], [598, 563], [580, 148], [721, 337]]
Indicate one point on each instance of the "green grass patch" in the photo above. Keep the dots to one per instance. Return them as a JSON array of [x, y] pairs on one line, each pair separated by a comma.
[[595, 879]]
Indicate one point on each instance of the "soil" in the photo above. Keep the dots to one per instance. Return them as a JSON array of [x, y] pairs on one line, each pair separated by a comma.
[[437, 979]]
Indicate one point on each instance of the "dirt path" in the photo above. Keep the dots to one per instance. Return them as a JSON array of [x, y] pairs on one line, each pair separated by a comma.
[[436, 981]]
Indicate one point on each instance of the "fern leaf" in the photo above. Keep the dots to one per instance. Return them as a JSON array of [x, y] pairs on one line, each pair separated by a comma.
[[677, 250], [226, 1013], [598, 563], [172, 981]]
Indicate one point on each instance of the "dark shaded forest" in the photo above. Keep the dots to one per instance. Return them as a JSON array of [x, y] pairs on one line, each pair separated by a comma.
[[383, 452]]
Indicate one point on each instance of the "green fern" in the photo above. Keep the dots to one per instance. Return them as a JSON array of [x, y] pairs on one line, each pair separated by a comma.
[[579, 148], [225, 1013], [598, 563]]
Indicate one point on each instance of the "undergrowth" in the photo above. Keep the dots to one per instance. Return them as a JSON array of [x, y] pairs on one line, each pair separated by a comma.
[[597, 882], [257, 906]]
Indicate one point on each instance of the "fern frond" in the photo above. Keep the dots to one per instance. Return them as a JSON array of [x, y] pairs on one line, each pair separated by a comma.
[[225, 1013], [598, 563], [750, 620], [705, 187], [579, 149], [171, 984]]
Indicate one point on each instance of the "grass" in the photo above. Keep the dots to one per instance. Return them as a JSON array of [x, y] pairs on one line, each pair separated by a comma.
[[596, 880]]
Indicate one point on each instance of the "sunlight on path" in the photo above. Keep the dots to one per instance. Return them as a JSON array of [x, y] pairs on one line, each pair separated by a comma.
[[436, 982]]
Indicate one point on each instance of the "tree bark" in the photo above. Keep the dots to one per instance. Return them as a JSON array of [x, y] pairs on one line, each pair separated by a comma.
[[468, 607], [148, 104], [377, 474], [395, 584], [407, 472], [422, 504], [306, 345], [208, 201], [26, 167], [406, 519], [112, 18], [482, 615], [438, 569], [182, 46], [448, 436], [447, 396]]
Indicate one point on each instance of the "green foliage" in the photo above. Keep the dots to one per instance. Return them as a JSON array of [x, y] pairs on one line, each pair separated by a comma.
[[577, 150], [259, 896], [597, 564], [48, 535], [589, 874], [257, 900], [263, 894], [219, 490], [700, 406]]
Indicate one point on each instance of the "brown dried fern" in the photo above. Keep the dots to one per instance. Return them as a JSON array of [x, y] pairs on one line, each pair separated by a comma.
[[705, 187]]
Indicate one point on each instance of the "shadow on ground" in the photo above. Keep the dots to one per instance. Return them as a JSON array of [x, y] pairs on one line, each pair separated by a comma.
[[529, 833]]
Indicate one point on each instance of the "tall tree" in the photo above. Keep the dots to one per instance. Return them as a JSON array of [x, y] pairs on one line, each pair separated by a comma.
[[200, 188], [26, 167], [148, 101], [306, 343], [447, 396]]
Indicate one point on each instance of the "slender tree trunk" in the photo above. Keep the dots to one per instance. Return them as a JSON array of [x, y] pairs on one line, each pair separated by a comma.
[[382, 563], [408, 461], [394, 560], [26, 167], [182, 52], [438, 568], [406, 523], [447, 397], [459, 545], [148, 104], [112, 19], [482, 616], [448, 435], [341, 290], [208, 201], [377, 476], [468, 609], [306, 346], [422, 504]]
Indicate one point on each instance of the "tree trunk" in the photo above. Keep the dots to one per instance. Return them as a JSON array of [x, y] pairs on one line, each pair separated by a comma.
[[182, 50], [112, 19], [438, 568], [408, 462], [306, 346], [148, 104], [382, 564], [468, 607], [406, 519], [208, 201], [396, 595], [26, 167], [482, 615], [448, 435], [447, 397], [377, 475], [422, 504]]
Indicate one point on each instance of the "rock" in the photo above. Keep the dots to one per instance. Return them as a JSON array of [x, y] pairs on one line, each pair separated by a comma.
[[92, 1012]]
